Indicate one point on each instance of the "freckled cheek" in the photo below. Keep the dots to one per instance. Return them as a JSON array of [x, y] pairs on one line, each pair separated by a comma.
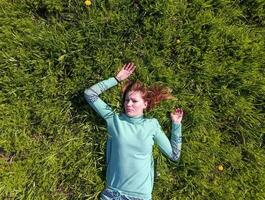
[[136, 106]]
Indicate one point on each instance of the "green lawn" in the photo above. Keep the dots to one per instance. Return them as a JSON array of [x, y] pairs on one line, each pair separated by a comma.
[[210, 53]]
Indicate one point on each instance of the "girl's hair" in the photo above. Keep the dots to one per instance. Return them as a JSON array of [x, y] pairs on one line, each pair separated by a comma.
[[153, 94]]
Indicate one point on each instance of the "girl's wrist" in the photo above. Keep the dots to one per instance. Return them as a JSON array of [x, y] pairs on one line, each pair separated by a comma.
[[117, 79], [175, 122]]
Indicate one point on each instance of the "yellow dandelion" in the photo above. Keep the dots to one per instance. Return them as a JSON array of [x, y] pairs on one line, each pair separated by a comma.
[[88, 2], [220, 168]]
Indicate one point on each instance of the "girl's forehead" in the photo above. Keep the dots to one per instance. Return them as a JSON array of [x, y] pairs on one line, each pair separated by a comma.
[[134, 94]]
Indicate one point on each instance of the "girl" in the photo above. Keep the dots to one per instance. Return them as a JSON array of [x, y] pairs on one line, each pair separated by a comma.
[[130, 166]]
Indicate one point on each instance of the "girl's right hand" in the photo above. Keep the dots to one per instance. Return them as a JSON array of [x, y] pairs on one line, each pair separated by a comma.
[[126, 71]]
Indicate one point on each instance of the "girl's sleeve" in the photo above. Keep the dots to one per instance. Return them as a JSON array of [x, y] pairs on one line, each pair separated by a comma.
[[92, 97], [170, 148]]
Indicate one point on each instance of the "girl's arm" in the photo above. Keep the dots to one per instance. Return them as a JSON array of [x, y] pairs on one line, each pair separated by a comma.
[[92, 93], [92, 97], [171, 148]]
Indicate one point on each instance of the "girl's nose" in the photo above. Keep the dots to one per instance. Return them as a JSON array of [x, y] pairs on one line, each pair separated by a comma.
[[129, 103]]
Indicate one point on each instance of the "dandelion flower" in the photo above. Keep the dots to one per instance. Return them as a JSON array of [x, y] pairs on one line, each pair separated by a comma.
[[220, 168], [88, 2]]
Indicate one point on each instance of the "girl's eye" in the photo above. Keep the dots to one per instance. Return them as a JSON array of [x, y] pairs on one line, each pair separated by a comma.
[[134, 101]]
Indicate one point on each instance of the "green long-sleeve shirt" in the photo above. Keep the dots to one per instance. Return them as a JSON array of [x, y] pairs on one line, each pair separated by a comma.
[[130, 166]]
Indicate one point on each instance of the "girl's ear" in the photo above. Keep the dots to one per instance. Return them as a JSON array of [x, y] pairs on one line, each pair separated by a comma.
[[145, 104]]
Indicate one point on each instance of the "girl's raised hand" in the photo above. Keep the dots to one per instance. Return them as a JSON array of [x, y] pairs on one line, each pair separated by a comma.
[[177, 115], [126, 71]]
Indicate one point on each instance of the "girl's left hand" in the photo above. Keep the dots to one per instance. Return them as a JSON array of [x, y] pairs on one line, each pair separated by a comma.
[[177, 115]]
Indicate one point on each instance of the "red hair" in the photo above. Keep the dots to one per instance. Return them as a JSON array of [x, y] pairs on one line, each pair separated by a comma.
[[153, 94]]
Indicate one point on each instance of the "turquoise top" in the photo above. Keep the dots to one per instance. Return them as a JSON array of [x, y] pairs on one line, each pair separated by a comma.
[[130, 167]]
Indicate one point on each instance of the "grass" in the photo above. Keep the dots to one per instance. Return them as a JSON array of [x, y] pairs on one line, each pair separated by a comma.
[[211, 53]]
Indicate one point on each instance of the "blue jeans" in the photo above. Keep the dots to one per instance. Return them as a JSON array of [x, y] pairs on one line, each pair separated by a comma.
[[109, 194]]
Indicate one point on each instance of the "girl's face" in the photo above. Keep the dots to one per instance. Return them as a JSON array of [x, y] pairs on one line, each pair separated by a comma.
[[134, 104]]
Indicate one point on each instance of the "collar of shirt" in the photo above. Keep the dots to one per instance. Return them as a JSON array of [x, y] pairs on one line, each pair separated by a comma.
[[133, 120]]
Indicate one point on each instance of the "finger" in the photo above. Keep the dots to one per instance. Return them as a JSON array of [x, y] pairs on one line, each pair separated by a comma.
[[178, 110], [126, 66], [181, 111], [131, 66]]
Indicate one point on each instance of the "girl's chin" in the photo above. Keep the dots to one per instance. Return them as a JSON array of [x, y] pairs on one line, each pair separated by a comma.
[[130, 114]]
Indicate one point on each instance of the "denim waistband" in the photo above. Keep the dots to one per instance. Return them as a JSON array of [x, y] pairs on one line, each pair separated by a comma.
[[113, 194]]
